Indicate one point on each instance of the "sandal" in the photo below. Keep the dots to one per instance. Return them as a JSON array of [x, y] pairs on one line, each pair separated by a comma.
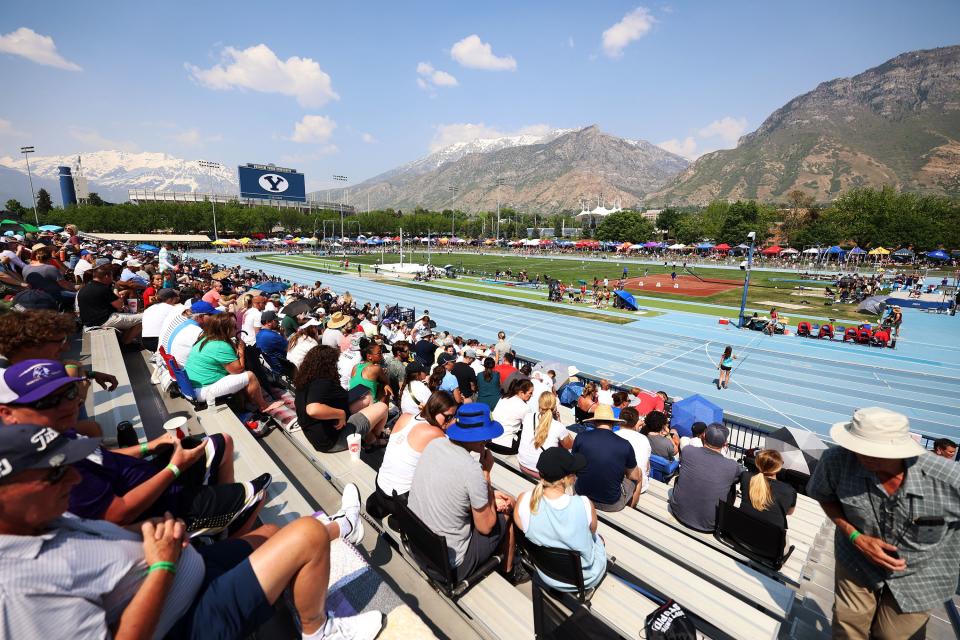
[[379, 443]]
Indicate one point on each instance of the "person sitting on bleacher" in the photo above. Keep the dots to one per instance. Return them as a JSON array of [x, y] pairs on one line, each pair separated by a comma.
[[65, 576], [185, 334], [156, 314], [640, 443], [549, 517], [451, 494], [100, 306], [410, 435], [611, 478], [306, 337], [541, 431], [272, 345], [664, 441], [370, 375], [415, 390], [510, 413], [216, 366], [765, 497], [326, 412], [121, 485], [706, 477]]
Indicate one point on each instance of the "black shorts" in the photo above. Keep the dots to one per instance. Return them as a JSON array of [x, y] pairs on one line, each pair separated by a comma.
[[481, 547], [723, 368]]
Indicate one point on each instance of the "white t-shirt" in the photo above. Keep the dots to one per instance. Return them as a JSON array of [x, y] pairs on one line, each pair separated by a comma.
[[300, 350], [82, 267], [539, 388], [641, 450], [183, 342], [154, 317], [251, 323], [526, 454], [348, 360], [414, 394], [605, 397], [523, 507], [14, 258], [332, 338], [510, 412], [170, 322]]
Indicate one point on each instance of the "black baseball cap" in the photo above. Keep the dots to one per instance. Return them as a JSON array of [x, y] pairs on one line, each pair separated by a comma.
[[446, 358], [557, 463], [268, 316], [416, 367], [27, 446]]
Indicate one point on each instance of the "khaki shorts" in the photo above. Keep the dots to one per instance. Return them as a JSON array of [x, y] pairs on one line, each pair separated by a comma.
[[123, 321]]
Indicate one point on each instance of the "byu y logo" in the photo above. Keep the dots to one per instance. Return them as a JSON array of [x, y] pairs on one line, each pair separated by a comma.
[[273, 182]]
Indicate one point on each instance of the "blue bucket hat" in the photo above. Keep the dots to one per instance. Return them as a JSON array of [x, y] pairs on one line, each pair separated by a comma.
[[474, 424]]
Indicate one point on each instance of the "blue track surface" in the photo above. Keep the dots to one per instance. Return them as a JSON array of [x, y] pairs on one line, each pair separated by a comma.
[[783, 380]]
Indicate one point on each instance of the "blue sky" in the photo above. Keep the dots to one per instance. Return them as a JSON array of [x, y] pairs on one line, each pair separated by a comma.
[[358, 88]]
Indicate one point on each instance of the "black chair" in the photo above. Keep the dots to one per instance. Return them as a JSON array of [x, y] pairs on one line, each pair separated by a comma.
[[761, 541], [429, 549]]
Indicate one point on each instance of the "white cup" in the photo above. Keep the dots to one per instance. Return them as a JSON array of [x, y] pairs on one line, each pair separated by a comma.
[[353, 444], [176, 426]]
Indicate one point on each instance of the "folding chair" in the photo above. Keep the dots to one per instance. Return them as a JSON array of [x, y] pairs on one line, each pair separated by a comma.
[[662, 469], [760, 541]]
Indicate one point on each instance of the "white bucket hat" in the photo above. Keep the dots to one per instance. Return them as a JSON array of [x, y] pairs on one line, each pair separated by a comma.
[[878, 433]]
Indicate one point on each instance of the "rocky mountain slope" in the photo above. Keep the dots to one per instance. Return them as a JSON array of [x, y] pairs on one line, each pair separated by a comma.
[[896, 124], [551, 175]]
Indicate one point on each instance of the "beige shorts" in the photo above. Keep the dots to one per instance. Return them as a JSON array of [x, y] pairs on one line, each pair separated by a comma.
[[123, 321]]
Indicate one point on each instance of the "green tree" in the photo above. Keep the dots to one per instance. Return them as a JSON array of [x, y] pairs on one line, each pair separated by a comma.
[[44, 203], [689, 228], [14, 207], [744, 217], [94, 200], [668, 219], [627, 226]]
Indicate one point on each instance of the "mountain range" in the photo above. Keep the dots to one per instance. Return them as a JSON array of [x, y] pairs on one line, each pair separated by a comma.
[[896, 124]]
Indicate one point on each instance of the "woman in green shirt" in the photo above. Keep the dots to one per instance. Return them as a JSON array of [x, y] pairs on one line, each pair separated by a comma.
[[216, 367]]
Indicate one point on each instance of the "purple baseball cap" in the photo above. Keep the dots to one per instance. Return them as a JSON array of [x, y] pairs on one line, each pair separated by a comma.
[[31, 380]]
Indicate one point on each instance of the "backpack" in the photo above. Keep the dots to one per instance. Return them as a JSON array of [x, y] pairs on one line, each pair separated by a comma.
[[260, 424], [670, 622]]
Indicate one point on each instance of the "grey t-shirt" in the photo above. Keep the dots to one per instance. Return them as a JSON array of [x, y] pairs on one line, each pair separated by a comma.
[[447, 484], [661, 446], [705, 479], [45, 277]]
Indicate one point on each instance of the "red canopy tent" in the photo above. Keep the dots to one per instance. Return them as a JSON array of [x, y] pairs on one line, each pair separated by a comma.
[[723, 246], [771, 251]]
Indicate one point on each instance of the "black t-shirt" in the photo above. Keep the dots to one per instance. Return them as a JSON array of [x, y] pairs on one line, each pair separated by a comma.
[[321, 433], [608, 457], [466, 377], [425, 352], [96, 303], [784, 499]]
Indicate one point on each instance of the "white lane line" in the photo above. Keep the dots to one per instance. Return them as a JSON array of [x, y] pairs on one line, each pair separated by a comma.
[[643, 373], [882, 380], [769, 406]]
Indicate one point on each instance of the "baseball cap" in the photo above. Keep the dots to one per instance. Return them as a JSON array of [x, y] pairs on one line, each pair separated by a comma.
[[469, 353], [84, 252], [446, 358], [201, 307], [102, 262], [27, 446], [167, 294], [557, 463], [716, 435], [34, 299], [30, 380], [268, 316], [312, 322], [416, 367], [134, 263]]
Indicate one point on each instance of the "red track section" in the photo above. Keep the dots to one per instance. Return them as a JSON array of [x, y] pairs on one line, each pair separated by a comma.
[[689, 285]]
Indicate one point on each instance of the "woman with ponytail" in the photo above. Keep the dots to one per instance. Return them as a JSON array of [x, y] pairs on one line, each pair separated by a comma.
[[765, 497], [541, 430], [550, 517]]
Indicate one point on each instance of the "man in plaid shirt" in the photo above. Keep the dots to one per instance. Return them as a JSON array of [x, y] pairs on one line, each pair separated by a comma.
[[897, 511]]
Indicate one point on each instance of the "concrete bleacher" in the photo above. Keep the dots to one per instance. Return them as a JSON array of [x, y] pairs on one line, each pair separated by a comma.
[[110, 408]]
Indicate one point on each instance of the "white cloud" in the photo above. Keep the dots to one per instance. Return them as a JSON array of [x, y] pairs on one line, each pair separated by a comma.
[[719, 134], [92, 138], [193, 138], [430, 78], [313, 130], [7, 130], [570, 42], [368, 138], [259, 69], [476, 54], [633, 26], [29, 44], [450, 134]]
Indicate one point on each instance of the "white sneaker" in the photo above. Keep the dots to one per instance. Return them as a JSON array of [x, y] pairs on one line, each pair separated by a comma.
[[364, 626], [350, 511]]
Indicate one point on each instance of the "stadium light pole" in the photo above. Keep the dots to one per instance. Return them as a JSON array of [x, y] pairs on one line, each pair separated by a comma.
[[499, 184], [453, 212], [746, 278], [342, 179], [26, 151], [206, 164]]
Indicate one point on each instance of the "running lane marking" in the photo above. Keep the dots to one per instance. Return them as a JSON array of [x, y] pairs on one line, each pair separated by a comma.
[[643, 373], [769, 406]]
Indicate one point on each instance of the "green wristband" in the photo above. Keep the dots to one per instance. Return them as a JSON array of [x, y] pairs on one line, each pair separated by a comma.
[[163, 566], [854, 535], [144, 449], [174, 469]]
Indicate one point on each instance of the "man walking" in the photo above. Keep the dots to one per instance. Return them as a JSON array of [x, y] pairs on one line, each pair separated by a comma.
[[897, 512]]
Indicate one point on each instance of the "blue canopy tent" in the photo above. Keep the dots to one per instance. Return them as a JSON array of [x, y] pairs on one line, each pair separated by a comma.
[[374, 241], [857, 251], [696, 408], [705, 246], [147, 247], [902, 254], [272, 286], [628, 300], [939, 254]]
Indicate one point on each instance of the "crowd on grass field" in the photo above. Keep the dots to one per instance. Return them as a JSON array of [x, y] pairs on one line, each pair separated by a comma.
[[161, 540]]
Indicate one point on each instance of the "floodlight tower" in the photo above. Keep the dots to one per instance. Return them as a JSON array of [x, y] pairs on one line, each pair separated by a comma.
[[746, 277], [26, 151]]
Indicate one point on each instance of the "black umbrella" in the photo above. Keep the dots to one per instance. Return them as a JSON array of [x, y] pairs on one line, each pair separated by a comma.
[[297, 307]]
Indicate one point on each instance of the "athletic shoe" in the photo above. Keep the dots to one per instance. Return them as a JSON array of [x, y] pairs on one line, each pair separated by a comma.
[[364, 626], [350, 512]]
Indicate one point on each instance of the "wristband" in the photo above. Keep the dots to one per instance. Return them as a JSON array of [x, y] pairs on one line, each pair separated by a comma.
[[163, 566], [144, 449], [174, 469], [854, 535]]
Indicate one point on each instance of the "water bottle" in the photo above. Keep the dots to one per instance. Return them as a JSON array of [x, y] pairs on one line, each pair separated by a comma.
[[126, 434]]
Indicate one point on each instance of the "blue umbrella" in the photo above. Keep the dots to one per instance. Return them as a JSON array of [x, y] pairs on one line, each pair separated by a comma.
[[939, 254], [51, 227], [147, 247], [696, 408], [628, 299], [272, 286]]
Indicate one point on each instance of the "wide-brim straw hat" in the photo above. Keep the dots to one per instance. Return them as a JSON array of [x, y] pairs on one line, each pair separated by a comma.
[[603, 413], [878, 433], [337, 320]]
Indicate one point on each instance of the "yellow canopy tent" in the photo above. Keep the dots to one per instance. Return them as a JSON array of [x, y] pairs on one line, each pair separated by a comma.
[[219, 242], [244, 240], [879, 251]]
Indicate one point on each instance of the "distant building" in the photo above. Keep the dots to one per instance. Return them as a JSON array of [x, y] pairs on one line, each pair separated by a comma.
[[589, 219], [651, 214], [137, 196]]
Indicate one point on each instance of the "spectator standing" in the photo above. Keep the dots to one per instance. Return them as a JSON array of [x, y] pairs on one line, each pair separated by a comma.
[[488, 384], [541, 430], [765, 497], [510, 412], [164, 261], [611, 478], [896, 509], [706, 477], [502, 348], [550, 517], [640, 443]]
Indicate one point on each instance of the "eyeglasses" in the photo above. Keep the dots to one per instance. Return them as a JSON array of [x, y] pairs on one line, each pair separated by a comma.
[[70, 392]]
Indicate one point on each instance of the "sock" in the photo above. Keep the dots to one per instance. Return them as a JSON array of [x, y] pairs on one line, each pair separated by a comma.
[[319, 634], [346, 527]]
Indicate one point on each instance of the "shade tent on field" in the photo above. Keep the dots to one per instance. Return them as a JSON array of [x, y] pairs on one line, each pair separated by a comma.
[[628, 300], [939, 254], [51, 227], [857, 251], [771, 251], [692, 409], [878, 251]]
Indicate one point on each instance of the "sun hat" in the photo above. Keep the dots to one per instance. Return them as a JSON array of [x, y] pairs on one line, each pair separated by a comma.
[[603, 413], [557, 463], [201, 307], [474, 424], [27, 446], [337, 320], [878, 433], [30, 380], [312, 322], [134, 263]]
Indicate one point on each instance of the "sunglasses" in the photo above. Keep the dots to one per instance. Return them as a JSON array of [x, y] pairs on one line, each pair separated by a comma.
[[450, 417], [70, 392], [55, 475]]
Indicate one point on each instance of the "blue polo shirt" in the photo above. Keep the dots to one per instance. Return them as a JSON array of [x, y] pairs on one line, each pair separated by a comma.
[[273, 346]]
